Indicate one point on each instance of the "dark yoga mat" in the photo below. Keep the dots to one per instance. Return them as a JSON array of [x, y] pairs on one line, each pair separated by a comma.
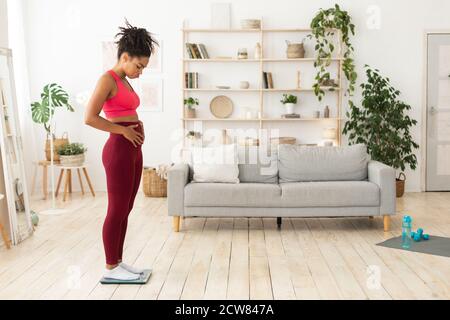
[[439, 246]]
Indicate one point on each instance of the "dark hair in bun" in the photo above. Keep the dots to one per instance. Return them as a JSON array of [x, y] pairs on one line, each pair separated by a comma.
[[136, 41]]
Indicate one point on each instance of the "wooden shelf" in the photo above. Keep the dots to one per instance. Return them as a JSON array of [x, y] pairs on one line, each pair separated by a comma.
[[300, 119], [261, 90], [222, 60], [222, 30], [219, 119], [262, 119], [237, 30], [299, 89], [222, 90], [296, 59], [258, 60]]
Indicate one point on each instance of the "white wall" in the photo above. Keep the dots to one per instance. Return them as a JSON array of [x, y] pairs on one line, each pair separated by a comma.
[[63, 43], [3, 24]]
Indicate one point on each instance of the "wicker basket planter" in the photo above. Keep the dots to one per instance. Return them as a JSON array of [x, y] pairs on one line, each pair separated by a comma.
[[295, 51], [72, 161], [57, 142], [153, 185], [400, 185]]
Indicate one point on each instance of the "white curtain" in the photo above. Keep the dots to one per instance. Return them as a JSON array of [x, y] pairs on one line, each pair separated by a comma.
[[17, 42]]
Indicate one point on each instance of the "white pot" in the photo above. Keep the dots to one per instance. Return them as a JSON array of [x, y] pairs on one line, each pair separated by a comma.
[[289, 108]]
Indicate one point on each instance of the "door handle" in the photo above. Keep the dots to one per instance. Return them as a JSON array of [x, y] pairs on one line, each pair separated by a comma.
[[433, 110]]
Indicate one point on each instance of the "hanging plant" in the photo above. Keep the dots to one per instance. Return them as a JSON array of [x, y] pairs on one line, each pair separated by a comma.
[[324, 26], [381, 123]]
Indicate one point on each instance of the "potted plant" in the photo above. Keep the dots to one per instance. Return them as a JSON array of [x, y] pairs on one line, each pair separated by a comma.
[[72, 154], [383, 125], [52, 97], [324, 26], [289, 101], [190, 104]]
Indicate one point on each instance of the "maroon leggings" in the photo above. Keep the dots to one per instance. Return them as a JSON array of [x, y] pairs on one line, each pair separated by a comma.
[[123, 166]]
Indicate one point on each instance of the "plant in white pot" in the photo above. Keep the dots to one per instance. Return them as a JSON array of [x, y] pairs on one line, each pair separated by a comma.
[[289, 101], [71, 154], [190, 104]]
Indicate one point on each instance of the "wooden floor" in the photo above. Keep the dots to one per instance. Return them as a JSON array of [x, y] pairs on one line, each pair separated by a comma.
[[228, 258]]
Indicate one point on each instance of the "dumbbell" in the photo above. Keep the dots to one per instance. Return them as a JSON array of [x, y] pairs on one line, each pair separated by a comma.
[[417, 236]]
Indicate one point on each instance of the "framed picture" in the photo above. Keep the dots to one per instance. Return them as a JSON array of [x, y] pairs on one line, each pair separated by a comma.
[[220, 15], [150, 90]]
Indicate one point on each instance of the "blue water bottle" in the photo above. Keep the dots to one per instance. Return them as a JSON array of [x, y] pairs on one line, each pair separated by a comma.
[[406, 232]]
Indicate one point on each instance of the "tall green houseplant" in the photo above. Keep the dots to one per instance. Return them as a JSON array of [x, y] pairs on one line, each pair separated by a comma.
[[324, 25], [382, 123], [41, 111]]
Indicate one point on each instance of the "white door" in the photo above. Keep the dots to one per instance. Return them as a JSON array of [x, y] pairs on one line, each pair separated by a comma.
[[438, 113]]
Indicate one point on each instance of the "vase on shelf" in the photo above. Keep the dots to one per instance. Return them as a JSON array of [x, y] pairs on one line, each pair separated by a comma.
[[326, 112], [258, 51], [190, 113]]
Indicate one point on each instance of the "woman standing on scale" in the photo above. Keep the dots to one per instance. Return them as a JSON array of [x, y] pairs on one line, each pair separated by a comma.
[[122, 154]]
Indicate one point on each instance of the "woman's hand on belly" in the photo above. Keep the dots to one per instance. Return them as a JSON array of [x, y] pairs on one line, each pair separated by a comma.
[[143, 133]]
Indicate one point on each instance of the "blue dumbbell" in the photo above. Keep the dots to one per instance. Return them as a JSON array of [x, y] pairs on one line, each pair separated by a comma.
[[425, 236], [419, 232], [417, 237]]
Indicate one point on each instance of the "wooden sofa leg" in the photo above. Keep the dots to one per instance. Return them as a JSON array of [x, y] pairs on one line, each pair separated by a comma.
[[176, 223], [279, 222], [370, 217], [386, 223]]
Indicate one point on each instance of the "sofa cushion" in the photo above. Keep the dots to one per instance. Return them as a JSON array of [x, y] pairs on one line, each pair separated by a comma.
[[302, 163], [215, 164], [257, 164], [232, 195], [330, 194]]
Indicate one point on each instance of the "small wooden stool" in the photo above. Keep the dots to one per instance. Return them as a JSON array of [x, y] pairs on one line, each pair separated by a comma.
[[44, 164], [68, 182]]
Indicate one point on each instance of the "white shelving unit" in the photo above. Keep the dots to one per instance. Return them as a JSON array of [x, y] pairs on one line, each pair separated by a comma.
[[12, 153], [186, 62]]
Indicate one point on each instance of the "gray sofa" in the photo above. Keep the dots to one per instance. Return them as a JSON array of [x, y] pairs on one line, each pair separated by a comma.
[[296, 181]]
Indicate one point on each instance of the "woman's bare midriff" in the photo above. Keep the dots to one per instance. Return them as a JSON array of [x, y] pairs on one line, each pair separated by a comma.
[[124, 119]]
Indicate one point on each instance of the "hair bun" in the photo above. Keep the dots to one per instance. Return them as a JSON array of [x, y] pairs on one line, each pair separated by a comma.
[[135, 41]]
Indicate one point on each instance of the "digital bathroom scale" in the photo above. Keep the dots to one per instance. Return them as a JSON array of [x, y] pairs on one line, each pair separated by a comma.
[[143, 279]]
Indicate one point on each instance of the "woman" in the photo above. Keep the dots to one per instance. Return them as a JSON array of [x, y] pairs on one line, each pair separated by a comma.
[[122, 155]]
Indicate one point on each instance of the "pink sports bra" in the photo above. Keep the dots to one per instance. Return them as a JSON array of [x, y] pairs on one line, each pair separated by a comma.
[[124, 103]]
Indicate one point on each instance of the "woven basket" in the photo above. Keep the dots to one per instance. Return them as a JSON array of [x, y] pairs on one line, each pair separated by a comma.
[[295, 51], [400, 185], [153, 185], [72, 161], [57, 142]]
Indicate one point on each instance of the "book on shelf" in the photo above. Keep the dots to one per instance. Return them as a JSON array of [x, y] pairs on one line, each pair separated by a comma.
[[196, 51], [203, 51], [191, 80], [270, 80], [189, 51], [267, 80]]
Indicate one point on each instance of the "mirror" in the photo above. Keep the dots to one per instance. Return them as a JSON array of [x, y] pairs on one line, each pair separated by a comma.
[[14, 186]]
